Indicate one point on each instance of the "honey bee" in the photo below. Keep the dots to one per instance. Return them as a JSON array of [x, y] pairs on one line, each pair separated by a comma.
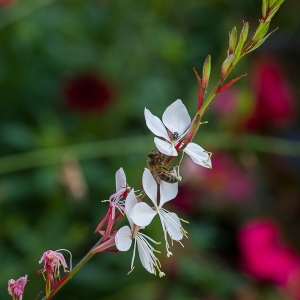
[[159, 172]]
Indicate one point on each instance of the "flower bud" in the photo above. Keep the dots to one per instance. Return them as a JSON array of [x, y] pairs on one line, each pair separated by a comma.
[[206, 73], [261, 31], [242, 39], [264, 8], [226, 65], [232, 40]]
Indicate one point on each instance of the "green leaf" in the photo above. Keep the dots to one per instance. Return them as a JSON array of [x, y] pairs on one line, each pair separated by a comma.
[[260, 42], [279, 3], [271, 15]]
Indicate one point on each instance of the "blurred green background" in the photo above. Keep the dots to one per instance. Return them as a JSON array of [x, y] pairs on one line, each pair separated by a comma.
[[75, 77]]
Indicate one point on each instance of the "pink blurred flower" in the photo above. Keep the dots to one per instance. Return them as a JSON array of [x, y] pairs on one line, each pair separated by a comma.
[[88, 93], [275, 100], [265, 256], [258, 234]]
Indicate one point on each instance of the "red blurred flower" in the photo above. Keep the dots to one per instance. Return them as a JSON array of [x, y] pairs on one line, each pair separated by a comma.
[[88, 93], [275, 101]]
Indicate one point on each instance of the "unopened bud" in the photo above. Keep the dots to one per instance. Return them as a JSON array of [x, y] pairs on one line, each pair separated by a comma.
[[206, 73], [261, 31], [232, 40], [264, 8], [226, 65], [241, 42]]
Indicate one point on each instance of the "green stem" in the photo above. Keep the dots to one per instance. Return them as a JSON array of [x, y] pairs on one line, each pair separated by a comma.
[[209, 99]]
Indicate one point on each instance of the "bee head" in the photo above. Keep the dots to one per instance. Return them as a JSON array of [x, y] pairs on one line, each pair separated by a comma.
[[153, 155]]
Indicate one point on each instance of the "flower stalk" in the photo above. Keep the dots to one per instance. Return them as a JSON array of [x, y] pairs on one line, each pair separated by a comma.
[[174, 134]]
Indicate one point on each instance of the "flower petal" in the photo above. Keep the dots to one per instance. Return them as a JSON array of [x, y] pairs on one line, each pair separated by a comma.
[[120, 180], [173, 226], [145, 256], [123, 238], [156, 125], [176, 117], [198, 155], [130, 202], [168, 191], [165, 147], [142, 214], [150, 186]]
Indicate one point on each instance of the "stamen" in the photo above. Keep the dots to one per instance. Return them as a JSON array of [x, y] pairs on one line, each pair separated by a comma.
[[180, 244], [130, 271], [169, 253], [184, 221], [161, 274]]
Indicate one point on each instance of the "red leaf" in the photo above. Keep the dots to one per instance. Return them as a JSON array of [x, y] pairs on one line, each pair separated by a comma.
[[200, 94], [226, 86]]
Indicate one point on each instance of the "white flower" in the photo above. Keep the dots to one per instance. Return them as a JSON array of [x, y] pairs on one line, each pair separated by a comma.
[[126, 234], [177, 120], [142, 214]]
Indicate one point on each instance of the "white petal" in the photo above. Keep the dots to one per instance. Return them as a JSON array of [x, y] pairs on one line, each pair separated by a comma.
[[120, 179], [173, 226], [145, 256], [165, 147], [155, 125], [130, 202], [168, 191], [142, 214], [123, 238], [150, 186], [198, 155], [176, 117]]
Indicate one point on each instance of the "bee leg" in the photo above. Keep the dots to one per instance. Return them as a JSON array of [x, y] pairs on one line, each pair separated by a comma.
[[175, 170]]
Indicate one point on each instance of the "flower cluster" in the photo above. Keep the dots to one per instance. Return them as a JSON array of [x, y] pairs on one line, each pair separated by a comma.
[[160, 185]]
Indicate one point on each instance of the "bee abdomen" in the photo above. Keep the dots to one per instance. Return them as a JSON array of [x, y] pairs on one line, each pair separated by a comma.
[[168, 177]]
